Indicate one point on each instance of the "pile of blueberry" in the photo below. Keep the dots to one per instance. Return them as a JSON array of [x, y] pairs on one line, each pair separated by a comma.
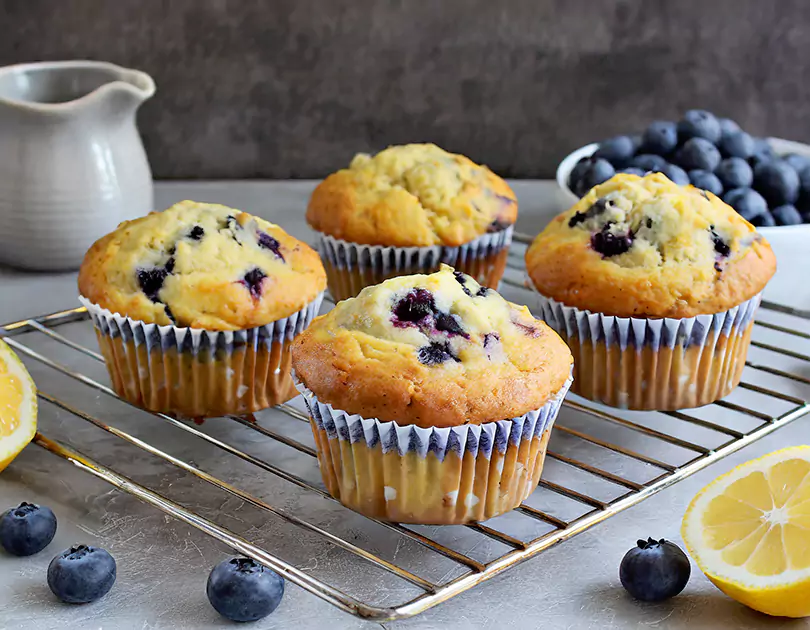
[[713, 154], [240, 589]]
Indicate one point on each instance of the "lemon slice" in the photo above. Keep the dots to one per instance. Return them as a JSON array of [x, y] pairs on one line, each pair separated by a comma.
[[18, 406], [749, 531]]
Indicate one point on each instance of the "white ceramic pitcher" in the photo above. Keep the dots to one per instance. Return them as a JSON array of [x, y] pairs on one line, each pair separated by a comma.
[[72, 165]]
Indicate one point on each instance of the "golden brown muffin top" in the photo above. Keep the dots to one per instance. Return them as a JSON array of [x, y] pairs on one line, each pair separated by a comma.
[[203, 266], [412, 195], [646, 247], [433, 350]]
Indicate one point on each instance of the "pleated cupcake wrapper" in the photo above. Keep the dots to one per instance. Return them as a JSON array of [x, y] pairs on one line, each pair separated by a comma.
[[138, 351], [718, 341], [390, 260], [471, 443]]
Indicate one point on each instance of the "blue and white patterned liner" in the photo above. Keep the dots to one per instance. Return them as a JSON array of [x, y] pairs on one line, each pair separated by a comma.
[[470, 438], [378, 258], [637, 332], [196, 340]]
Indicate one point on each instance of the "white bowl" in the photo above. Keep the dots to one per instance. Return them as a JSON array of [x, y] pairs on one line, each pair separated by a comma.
[[789, 242]]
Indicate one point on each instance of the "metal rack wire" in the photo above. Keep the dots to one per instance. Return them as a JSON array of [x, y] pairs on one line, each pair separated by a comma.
[[791, 325]]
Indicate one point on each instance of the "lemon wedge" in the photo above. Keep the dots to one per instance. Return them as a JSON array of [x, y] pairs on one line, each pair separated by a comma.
[[18, 406], [749, 532]]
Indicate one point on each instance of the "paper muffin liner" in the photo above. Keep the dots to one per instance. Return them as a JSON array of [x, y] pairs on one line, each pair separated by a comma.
[[351, 267], [197, 373], [438, 476], [654, 364]]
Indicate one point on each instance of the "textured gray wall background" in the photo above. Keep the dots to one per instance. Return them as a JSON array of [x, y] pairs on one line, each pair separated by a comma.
[[293, 88]]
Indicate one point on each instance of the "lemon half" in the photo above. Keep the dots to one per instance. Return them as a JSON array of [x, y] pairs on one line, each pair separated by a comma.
[[18, 406], [749, 531]]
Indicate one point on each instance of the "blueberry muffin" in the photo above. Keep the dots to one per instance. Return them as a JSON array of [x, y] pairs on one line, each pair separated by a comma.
[[194, 308], [654, 287], [431, 398], [406, 210]]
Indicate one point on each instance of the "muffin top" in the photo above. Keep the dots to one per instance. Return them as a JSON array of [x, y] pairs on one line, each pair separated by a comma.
[[433, 351], [203, 266], [412, 195], [645, 247]]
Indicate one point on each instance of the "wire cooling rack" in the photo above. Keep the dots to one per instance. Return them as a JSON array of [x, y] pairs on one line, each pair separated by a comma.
[[600, 461]]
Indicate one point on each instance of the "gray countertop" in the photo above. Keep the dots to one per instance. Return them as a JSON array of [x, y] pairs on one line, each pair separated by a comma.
[[163, 564]]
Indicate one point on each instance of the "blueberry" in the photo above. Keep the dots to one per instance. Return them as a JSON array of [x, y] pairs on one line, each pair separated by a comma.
[[633, 170], [462, 280], [706, 181], [27, 529], [799, 163], [151, 280], [597, 208], [578, 171], [241, 589], [777, 181], [609, 244], [660, 138], [196, 233], [727, 126], [655, 570], [735, 172], [747, 202], [81, 574], [415, 306], [253, 280], [529, 331], [720, 246], [618, 151], [764, 220], [675, 174], [806, 216], [482, 292], [698, 123], [497, 226], [598, 172], [436, 353], [737, 144], [450, 324], [649, 163], [266, 241], [786, 215], [762, 152], [698, 153]]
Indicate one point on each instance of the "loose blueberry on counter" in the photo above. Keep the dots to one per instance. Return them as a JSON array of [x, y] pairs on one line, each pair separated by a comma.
[[786, 215], [578, 171], [698, 153], [648, 162], [764, 220], [253, 281], [735, 172], [763, 152], [268, 242], [706, 181], [415, 306], [727, 126], [675, 174], [27, 529], [660, 138], [196, 233], [747, 202], [655, 570], [598, 172], [698, 123], [241, 589], [618, 151], [633, 170], [81, 574], [737, 144], [436, 353], [806, 216], [777, 181], [609, 244]]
